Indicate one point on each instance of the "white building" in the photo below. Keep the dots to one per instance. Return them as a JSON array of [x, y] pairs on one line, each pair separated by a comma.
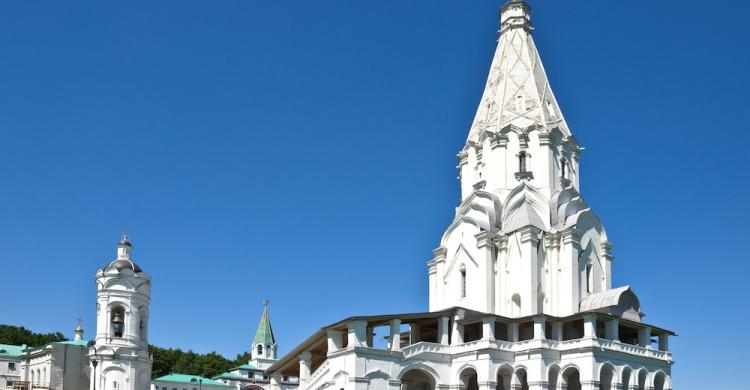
[[521, 292], [10, 365], [59, 365], [120, 354]]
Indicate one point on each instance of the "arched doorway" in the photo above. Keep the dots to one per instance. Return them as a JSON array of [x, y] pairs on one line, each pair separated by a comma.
[[468, 379], [417, 380], [642, 375], [572, 378], [626, 372], [660, 381], [522, 381], [552, 375], [606, 377], [504, 376]]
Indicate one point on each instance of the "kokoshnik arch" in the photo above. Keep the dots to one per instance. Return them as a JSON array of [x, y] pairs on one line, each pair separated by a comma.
[[521, 292]]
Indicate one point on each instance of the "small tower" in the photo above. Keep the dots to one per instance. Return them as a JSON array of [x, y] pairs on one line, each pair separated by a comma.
[[120, 355], [263, 352]]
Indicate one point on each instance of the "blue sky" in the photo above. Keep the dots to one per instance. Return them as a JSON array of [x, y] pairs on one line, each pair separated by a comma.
[[305, 152]]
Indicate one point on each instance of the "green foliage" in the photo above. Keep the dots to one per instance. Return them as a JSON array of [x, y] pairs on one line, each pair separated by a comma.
[[178, 361], [18, 335], [241, 359]]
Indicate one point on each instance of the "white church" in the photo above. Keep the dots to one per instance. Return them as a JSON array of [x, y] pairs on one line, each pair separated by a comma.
[[520, 287], [521, 293]]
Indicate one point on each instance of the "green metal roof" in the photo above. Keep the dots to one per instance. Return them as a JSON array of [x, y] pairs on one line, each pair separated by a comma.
[[244, 367], [82, 343], [12, 350], [190, 380], [264, 335]]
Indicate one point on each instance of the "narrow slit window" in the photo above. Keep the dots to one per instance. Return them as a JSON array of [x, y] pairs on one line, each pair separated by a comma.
[[463, 282]]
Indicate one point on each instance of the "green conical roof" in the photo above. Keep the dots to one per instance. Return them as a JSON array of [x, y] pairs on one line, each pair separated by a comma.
[[264, 335]]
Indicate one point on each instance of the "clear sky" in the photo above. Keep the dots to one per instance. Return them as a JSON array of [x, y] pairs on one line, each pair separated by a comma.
[[305, 151]]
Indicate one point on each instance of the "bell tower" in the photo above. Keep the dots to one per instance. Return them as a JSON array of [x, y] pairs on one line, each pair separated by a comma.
[[120, 357], [263, 352]]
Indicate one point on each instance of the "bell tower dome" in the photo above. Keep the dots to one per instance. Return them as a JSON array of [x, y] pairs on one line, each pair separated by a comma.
[[120, 354]]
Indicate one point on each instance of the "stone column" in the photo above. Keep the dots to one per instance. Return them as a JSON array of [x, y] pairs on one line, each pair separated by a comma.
[[589, 326], [557, 330], [356, 334], [539, 328], [644, 337], [486, 246], [488, 328], [395, 339], [457, 335], [305, 361], [612, 331], [664, 342], [335, 340], [513, 332], [443, 325]]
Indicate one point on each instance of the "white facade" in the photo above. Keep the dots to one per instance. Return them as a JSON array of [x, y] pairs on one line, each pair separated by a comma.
[[521, 290], [122, 313], [10, 365], [60, 365]]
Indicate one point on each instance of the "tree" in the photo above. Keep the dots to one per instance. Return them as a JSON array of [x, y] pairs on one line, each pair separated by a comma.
[[18, 335]]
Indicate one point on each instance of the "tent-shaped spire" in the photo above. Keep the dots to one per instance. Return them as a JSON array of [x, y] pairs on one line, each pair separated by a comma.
[[517, 91], [264, 335]]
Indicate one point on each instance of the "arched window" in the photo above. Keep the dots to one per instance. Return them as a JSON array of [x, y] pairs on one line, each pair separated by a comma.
[[463, 281], [606, 376], [562, 167], [589, 279], [260, 350]]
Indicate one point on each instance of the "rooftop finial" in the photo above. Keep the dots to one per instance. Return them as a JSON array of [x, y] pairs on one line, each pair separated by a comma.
[[79, 330], [266, 302], [125, 234]]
